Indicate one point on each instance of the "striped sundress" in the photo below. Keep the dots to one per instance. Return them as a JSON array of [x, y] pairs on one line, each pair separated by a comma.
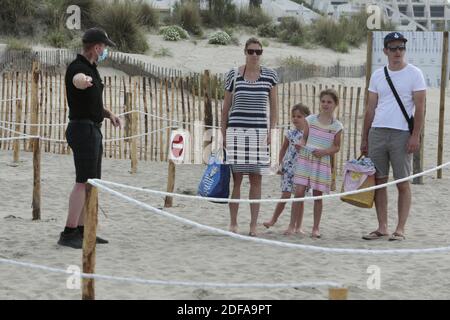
[[249, 115], [312, 171]]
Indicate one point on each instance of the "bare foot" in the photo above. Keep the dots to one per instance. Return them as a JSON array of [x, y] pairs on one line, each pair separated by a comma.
[[233, 229], [289, 231], [252, 232], [268, 224], [316, 234], [300, 232]]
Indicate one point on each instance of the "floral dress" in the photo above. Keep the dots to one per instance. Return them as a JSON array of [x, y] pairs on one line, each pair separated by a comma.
[[290, 158]]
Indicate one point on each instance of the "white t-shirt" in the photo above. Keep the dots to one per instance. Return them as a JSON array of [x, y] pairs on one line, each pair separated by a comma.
[[406, 81]]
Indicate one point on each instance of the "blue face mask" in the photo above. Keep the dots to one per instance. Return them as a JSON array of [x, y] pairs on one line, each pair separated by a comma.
[[103, 56]]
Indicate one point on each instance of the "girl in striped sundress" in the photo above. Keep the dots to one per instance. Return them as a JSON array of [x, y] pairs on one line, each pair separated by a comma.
[[313, 167]]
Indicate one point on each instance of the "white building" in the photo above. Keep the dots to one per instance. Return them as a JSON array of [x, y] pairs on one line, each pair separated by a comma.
[[427, 15]]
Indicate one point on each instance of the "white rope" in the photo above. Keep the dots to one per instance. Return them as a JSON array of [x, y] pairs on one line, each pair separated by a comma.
[[229, 200], [35, 124], [26, 136], [13, 131], [138, 135], [329, 284], [13, 99], [20, 137], [17, 138], [177, 121], [266, 241]]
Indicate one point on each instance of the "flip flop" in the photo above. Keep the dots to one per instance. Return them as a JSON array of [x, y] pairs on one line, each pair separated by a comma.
[[374, 235], [396, 237]]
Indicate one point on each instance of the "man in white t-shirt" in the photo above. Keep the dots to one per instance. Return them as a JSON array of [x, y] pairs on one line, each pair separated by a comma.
[[386, 137]]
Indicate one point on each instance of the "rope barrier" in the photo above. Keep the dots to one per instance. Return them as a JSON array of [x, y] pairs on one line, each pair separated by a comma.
[[174, 283], [13, 99], [35, 124], [26, 136], [266, 241], [229, 200]]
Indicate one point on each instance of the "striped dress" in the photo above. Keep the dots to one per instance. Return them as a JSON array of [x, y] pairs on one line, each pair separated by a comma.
[[248, 121], [312, 171]]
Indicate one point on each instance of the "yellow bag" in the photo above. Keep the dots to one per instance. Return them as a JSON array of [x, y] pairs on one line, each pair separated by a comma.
[[363, 199]]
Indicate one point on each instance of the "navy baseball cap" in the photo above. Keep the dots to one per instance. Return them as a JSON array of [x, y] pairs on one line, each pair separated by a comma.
[[394, 36], [97, 35]]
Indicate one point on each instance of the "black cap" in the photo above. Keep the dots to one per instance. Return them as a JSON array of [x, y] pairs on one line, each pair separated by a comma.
[[394, 36], [95, 35]]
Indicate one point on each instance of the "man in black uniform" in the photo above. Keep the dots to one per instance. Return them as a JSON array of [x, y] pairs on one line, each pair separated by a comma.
[[84, 89]]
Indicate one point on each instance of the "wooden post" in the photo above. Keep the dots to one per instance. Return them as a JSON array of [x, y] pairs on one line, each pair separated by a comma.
[[36, 203], [338, 293], [368, 66], [18, 120], [442, 102], [89, 240], [208, 121], [34, 99], [133, 122], [168, 201]]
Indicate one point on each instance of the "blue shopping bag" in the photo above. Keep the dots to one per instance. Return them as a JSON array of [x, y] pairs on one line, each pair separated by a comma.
[[215, 182]]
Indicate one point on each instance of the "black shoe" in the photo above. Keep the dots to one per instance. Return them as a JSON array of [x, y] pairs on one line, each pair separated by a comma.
[[101, 241], [73, 240], [97, 239]]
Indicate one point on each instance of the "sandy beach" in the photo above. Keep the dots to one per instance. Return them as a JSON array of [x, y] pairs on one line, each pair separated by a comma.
[[149, 246]]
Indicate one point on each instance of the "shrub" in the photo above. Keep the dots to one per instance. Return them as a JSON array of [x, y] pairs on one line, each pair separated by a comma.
[[253, 16], [268, 30], [120, 21], [58, 39], [292, 62], [296, 39], [220, 37], [163, 52], [220, 13], [187, 15], [173, 33], [16, 44], [327, 33], [16, 17], [147, 15], [341, 47], [290, 27]]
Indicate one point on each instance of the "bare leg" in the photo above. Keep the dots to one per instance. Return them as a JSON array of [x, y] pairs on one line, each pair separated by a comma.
[[296, 220], [278, 210], [76, 204], [381, 201], [255, 193], [317, 214], [234, 207], [404, 204], [299, 221]]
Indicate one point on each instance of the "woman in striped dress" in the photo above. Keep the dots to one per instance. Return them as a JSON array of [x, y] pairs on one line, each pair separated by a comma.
[[313, 167], [246, 128]]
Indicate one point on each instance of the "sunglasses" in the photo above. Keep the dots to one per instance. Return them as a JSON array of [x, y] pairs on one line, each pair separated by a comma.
[[393, 49], [257, 51]]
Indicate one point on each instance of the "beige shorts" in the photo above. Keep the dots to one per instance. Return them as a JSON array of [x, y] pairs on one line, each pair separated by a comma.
[[388, 146]]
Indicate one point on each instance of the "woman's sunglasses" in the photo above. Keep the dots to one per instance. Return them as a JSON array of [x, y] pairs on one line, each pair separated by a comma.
[[393, 49], [257, 51]]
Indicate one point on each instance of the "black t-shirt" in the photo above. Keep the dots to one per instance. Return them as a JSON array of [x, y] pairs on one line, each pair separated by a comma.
[[87, 103]]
